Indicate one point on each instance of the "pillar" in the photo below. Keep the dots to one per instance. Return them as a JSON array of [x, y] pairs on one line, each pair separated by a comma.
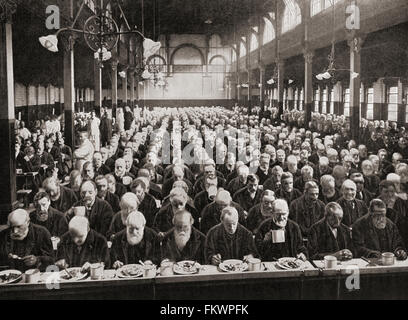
[[7, 117], [124, 89], [355, 44], [69, 91], [132, 87], [114, 86], [261, 87], [281, 70], [308, 90], [98, 86]]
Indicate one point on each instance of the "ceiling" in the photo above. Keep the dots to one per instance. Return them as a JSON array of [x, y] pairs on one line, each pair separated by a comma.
[[190, 16]]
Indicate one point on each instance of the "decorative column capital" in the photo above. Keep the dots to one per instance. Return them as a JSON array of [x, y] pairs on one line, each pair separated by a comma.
[[308, 55], [355, 42], [68, 41], [7, 9]]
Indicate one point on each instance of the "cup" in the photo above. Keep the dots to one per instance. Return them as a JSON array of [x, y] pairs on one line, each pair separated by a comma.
[[32, 276], [254, 264], [55, 241], [278, 236], [80, 211], [166, 268], [387, 259], [149, 270], [97, 271], [330, 262]]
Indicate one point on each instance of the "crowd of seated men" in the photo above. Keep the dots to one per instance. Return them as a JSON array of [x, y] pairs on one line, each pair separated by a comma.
[[209, 184]]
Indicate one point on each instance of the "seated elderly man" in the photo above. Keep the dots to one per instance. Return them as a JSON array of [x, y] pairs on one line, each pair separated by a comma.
[[286, 190], [292, 164], [129, 203], [81, 246], [307, 209], [147, 203], [178, 175], [328, 191], [98, 211], [25, 245], [206, 196], [99, 164], [184, 242], [374, 234], [264, 169], [293, 240], [250, 195], [163, 221], [352, 207], [229, 239], [361, 193], [322, 168], [210, 215], [120, 173], [104, 193], [62, 198], [329, 236], [44, 215], [240, 181], [261, 211], [115, 187], [88, 171], [306, 175], [154, 189], [135, 243], [273, 183], [210, 172]]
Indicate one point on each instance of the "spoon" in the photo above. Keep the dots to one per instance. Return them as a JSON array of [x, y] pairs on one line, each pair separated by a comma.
[[141, 262], [15, 257]]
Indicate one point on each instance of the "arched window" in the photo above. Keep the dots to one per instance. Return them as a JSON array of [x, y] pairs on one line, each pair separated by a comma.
[[254, 43], [269, 31], [291, 16], [242, 49]]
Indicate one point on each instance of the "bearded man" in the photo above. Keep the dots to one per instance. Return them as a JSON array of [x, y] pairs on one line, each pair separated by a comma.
[[44, 215], [135, 243], [184, 242], [147, 203], [261, 211], [129, 203], [62, 198], [104, 193]]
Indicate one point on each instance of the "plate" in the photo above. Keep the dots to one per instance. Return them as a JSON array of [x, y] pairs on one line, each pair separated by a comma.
[[10, 276], [130, 271], [233, 266], [76, 272], [290, 264], [186, 267]]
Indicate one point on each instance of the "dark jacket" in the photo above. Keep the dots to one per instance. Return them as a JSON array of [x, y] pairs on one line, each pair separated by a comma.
[[291, 248], [366, 239], [113, 200], [306, 216], [289, 197], [163, 221], [147, 249], [350, 215], [263, 176], [322, 241], [100, 215], [37, 243], [168, 185], [366, 197], [218, 242], [200, 186], [255, 218], [149, 209], [56, 224], [201, 200], [194, 249], [66, 200], [94, 250], [235, 185], [243, 198]]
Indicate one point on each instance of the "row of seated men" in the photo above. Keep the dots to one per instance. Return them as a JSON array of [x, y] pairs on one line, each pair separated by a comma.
[[26, 243]]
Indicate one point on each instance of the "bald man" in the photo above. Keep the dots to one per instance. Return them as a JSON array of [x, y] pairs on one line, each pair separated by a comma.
[[98, 211], [129, 203], [82, 246], [293, 243], [229, 239], [25, 240], [210, 216], [184, 242], [163, 221], [135, 243]]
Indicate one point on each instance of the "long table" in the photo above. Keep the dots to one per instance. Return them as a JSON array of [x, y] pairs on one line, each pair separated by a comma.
[[368, 282]]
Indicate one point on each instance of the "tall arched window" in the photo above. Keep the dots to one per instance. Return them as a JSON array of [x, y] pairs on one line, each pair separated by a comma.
[[242, 49], [254, 43], [269, 31], [291, 16]]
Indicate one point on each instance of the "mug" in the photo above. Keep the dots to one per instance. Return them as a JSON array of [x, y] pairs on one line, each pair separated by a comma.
[[80, 211], [55, 241], [149, 271], [278, 236], [330, 262], [254, 264], [97, 271], [32, 276], [387, 259], [166, 268]]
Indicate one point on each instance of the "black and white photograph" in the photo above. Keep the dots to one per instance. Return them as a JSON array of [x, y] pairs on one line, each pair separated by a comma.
[[218, 152]]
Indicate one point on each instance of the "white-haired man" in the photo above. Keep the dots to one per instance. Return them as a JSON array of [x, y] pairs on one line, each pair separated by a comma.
[[184, 242], [229, 240], [261, 211], [81, 246], [25, 245], [135, 243], [292, 245], [353, 208]]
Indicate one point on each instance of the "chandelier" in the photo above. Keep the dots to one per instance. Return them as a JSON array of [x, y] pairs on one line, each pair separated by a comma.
[[101, 34]]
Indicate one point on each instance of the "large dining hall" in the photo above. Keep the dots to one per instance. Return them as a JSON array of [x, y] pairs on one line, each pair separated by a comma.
[[203, 150]]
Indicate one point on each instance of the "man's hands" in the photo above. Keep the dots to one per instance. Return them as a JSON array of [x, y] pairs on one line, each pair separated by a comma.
[[343, 255], [117, 264], [61, 264], [249, 256], [301, 256], [401, 255], [30, 260], [216, 259], [86, 267]]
